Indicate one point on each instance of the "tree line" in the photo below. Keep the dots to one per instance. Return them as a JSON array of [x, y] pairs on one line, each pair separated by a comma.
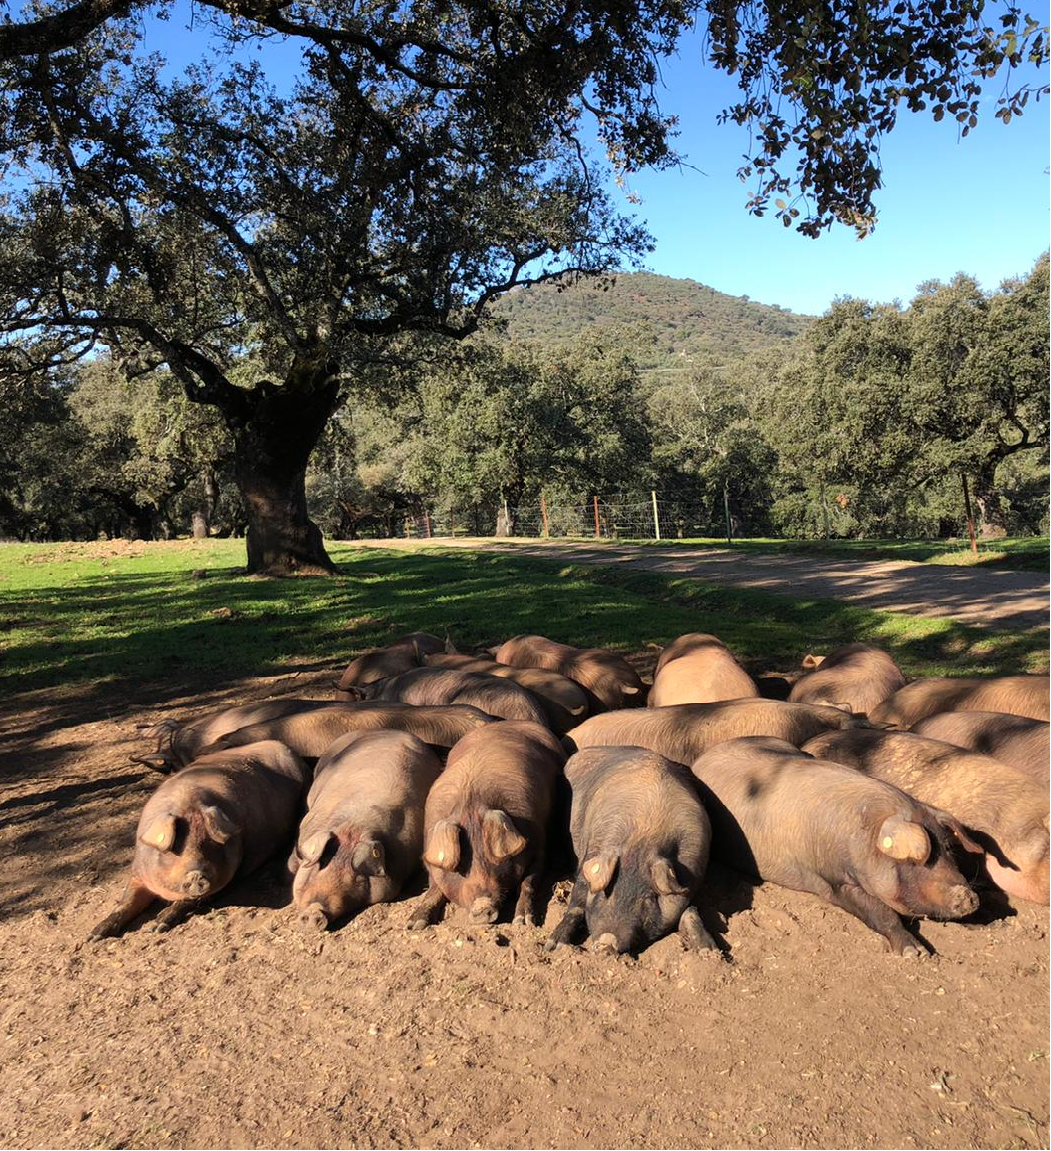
[[868, 423]]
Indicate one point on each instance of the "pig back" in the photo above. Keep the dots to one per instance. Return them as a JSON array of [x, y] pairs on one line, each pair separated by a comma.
[[1025, 695], [399, 656], [856, 676], [186, 741], [259, 786], [699, 668], [1020, 742]]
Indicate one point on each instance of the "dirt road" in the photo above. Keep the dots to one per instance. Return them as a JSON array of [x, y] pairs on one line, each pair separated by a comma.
[[239, 1030], [986, 597]]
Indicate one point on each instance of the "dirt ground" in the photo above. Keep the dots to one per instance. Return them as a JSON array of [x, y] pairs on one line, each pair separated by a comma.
[[239, 1030]]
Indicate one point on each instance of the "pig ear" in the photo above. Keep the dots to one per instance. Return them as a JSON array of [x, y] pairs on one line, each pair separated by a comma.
[[598, 872], [310, 850], [951, 823], [665, 881], [450, 647], [160, 833], [220, 826], [356, 690], [369, 858], [810, 661], [443, 845], [500, 838], [842, 706], [901, 839], [629, 689]]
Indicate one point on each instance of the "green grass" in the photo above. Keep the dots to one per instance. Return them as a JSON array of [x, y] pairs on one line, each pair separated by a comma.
[[1025, 553], [128, 614]]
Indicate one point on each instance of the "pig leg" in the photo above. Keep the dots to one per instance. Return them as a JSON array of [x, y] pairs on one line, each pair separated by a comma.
[[694, 935], [429, 910], [174, 914], [573, 919], [879, 917], [525, 909], [134, 902]]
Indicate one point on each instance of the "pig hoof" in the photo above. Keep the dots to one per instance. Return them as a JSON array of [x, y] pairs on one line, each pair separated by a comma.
[[314, 919], [912, 951], [524, 921], [416, 925]]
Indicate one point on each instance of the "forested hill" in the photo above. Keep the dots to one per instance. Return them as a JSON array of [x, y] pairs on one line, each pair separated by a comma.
[[686, 319]]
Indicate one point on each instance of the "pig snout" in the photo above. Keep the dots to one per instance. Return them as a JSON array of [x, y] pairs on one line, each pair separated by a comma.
[[961, 901], [196, 884], [313, 917], [483, 910], [607, 941]]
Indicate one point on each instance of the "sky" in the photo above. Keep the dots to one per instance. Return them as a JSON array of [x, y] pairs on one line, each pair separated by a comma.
[[979, 205]]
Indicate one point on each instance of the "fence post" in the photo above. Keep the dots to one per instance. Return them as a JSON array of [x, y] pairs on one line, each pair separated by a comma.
[[427, 522], [726, 511], [970, 514], [543, 514], [656, 520], [598, 530]]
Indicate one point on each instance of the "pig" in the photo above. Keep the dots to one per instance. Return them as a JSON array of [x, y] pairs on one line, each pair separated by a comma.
[[784, 817], [609, 681], [485, 823], [400, 655], [1005, 811], [699, 668], [682, 731], [435, 685], [641, 838], [856, 677], [362, 835], [1014, 694], [179, 744], [221, 816], [311, 734], [563, 700], [1016, 740]]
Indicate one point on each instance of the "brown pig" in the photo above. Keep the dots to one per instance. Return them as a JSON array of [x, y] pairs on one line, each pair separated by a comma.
[[362, 835], [400, 655], [856, 677], [222, 816], [1020, 742], [435, 685], [815, 826], [179, 744], [609, 680], [1004, 810], [564, 702], [681, 732], [486, 822], [641, 839], [1014, 694], [699, 668], [311, 734]]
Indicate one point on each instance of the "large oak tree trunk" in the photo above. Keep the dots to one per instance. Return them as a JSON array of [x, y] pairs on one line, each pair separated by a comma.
[[271, 450], [990, 505]]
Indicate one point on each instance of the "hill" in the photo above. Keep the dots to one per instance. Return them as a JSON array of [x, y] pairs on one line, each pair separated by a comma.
[[685, 320]]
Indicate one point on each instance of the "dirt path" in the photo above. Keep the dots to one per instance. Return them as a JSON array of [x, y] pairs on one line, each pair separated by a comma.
[[987, 597], [240, 1030]]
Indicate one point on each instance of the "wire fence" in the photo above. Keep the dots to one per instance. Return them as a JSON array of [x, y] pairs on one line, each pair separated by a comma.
[[655, 518]]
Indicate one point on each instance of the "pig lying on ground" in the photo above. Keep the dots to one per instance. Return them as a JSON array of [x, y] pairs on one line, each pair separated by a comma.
[[856, 677], [1014, 694], [486, 822], [641, 838], [564, 701], [362, 835], [699, 668], [179, 744], [1004, 810], [815, 826], [312, 733], [222, 816], [609, 680], [400, 655], [683, 731], [436, 685], [1016, 740]]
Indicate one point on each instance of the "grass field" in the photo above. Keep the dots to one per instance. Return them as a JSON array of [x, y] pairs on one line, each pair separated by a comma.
[[1027, 553], [116, 611]]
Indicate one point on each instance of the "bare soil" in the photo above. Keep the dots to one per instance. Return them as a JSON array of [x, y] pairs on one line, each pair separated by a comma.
[[240, 1030]]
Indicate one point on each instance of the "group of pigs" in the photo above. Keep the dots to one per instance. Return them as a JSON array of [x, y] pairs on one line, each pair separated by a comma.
[[883, 797]]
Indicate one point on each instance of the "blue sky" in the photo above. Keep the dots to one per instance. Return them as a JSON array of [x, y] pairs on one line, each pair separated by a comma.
[[978, 205]]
